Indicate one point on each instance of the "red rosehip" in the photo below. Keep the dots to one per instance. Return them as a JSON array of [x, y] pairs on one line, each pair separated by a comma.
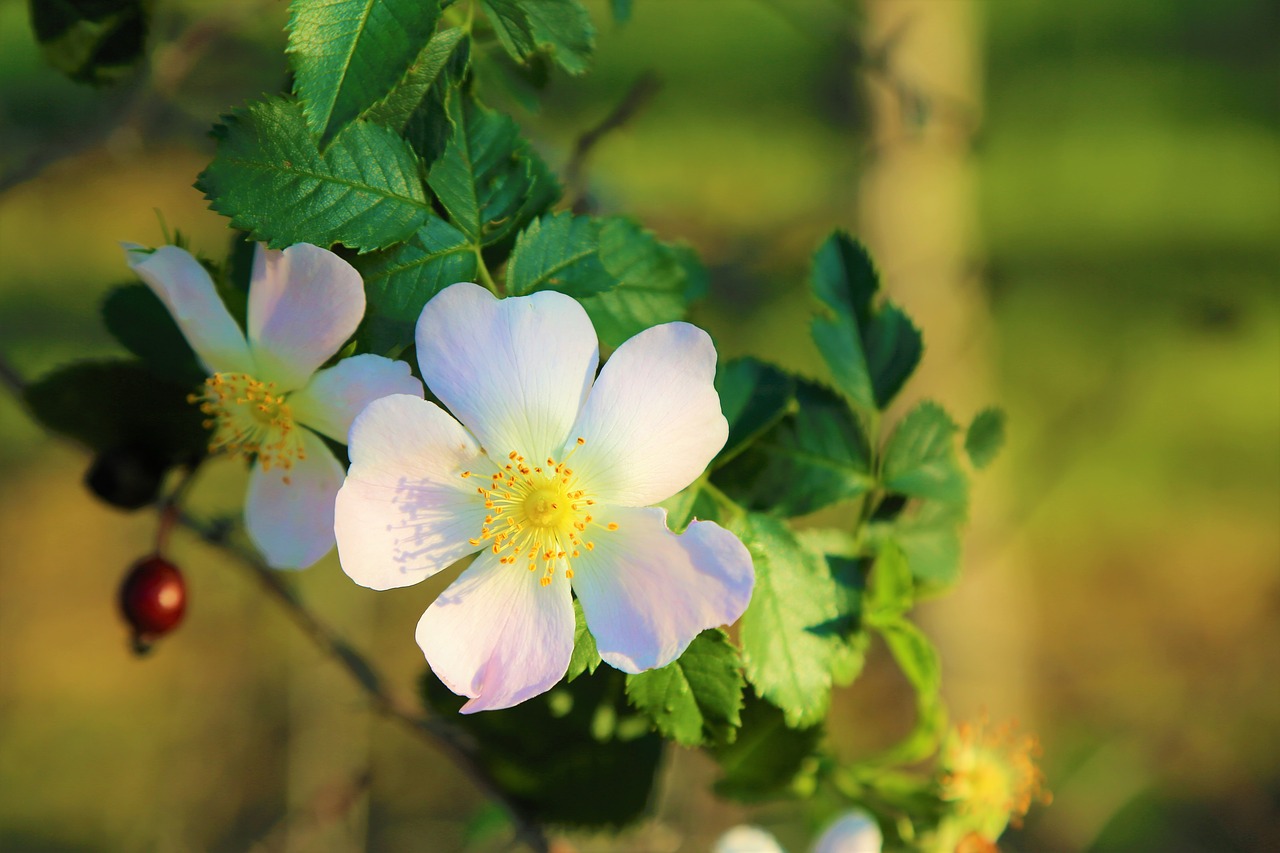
[[153, 598]]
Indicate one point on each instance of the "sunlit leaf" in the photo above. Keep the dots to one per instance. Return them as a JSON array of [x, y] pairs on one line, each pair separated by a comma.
[[697, 698]]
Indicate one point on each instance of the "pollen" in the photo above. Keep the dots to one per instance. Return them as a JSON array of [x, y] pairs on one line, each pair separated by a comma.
[[251, 420], [545, 510]]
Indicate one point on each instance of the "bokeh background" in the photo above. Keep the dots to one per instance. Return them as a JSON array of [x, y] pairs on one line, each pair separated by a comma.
[[1080, 203]]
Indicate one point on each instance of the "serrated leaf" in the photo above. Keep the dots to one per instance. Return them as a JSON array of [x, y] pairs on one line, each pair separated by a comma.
[[137, 318], [929, 536], [985, 437], [436, 61], [870, 351], [107, 405], [348, 54], [652, 282], [767, 755], [558, 252], [269, 177], [696, 698], [754, 395], [399, 282], [488, 179], [586, 657], [814, 457], [920, 457], [92, 41], [570, 756], [560, 28], [793, 629]]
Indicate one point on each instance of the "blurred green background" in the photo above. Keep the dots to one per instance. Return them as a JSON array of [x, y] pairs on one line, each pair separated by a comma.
[[1120, 206]]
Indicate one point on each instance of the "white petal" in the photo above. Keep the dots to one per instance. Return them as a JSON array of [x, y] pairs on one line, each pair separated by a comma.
[[497, 636], [747, 839], [652, 422], [292, 523], [514, 371], [335, 395], [405, 512], [189, 293], [304, 302], [647, 592], [855, 832]]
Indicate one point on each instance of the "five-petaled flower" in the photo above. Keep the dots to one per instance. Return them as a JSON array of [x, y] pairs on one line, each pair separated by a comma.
[[304, 303], [550, 477]]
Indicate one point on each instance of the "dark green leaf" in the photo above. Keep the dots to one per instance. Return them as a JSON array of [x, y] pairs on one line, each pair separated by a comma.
[[920, 457], [558, 252], [269, 177], [91, 41], [444, 58], [586, 657], [871, 352], [570, 756], [107, 405], [767, 756], [697, 698], [794, 628], [488, 178], [812, 458], [139, 321], [398, 283], [653, 282], [560, 28], [985, 437], [754, 395], [348, 54]]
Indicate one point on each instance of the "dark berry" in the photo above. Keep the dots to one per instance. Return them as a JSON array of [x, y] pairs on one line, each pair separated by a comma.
[[153, 598]]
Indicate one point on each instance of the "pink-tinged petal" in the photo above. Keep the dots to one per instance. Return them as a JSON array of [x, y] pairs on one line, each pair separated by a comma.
[[187, 290], [652, 422], [497, 636], [292, 523], [405, 511], [747, 839], [647, 592], [304, 302], [335, 395], [514, 371], [855, 832]]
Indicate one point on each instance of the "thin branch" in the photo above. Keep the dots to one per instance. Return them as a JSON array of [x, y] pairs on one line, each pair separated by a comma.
[[457, 746], [635, 99]]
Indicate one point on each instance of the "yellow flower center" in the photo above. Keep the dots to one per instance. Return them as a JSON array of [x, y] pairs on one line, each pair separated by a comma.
[[249, 419], [538, 513], [991, 775]]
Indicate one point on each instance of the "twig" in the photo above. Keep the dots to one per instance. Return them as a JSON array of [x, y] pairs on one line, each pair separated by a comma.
[[439, 734], [635, 99]]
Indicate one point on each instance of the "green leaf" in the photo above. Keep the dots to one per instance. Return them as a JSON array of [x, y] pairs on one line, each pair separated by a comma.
[[576, 755], [688, 504], [985, 437], [348, 54], [920, 457], [107, 405], [871, 352], [653, 282], [754, 395], [140, 322], [892, 589], [697, 698], [488, 178], [920, 663], [813, 458], [929, 536], [586, 657], [560, 28], [558, 252], [767, 756], [269, 177], [443, 60], [92, 41], [399, 282], [794, 628]]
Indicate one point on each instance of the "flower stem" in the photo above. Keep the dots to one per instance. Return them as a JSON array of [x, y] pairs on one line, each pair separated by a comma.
[[482, 271]]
